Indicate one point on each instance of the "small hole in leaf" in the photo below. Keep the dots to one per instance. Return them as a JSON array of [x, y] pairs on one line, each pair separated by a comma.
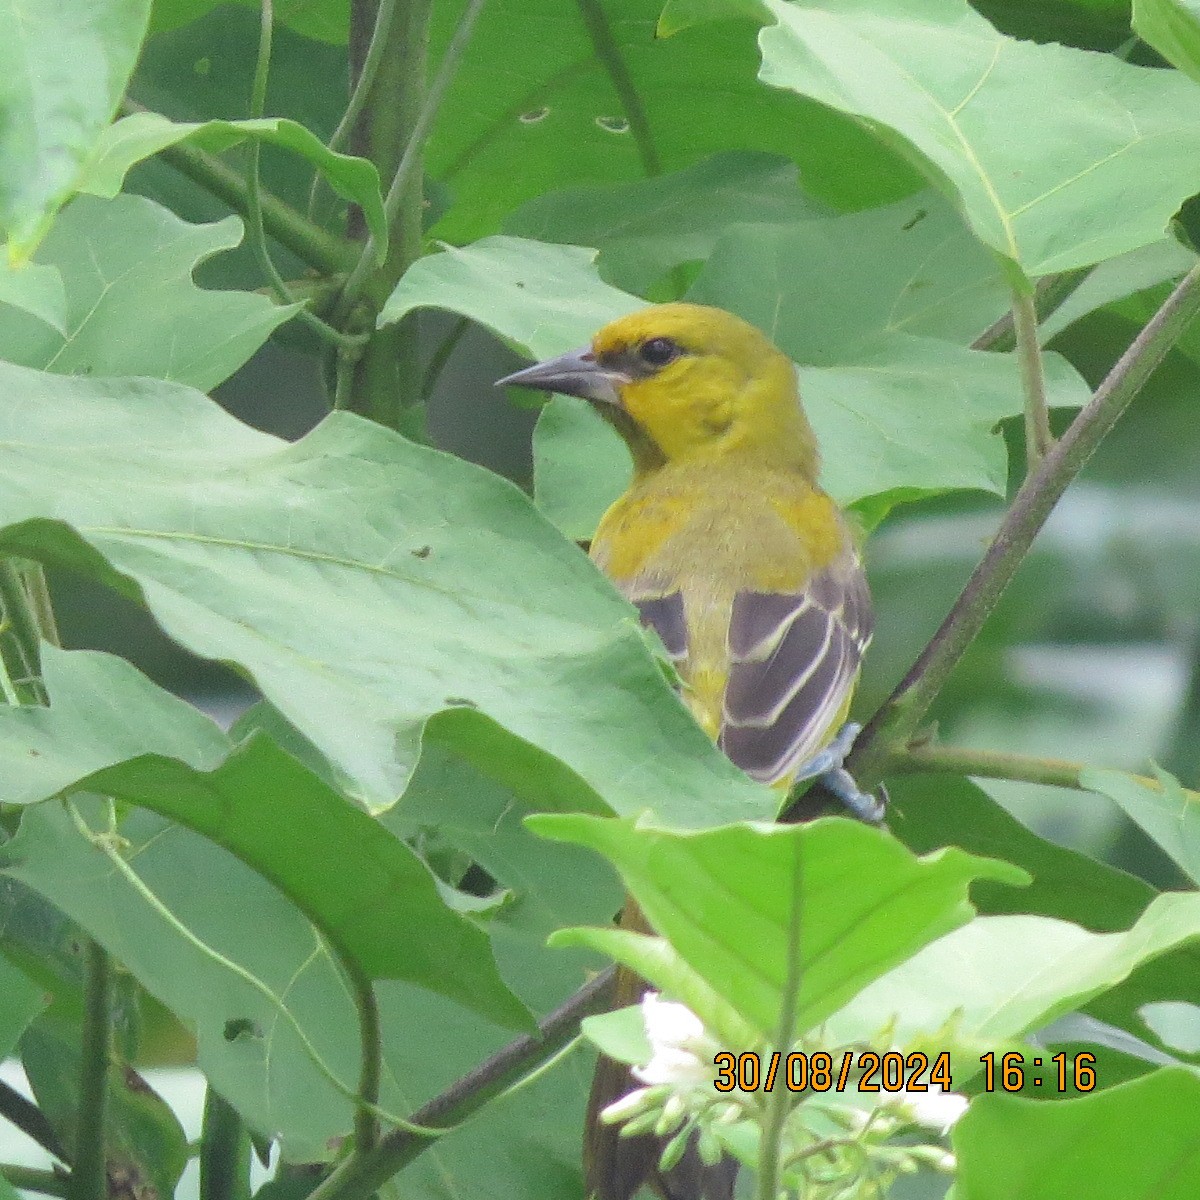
[[421, 552], [241, 1027], [460, 702], [533, 116], [613, 124]]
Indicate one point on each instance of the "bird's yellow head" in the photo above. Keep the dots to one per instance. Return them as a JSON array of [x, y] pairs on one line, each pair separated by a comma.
[[684, 381]]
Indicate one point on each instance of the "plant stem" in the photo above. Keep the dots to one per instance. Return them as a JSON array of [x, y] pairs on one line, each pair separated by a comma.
[[28, 1179], [1038, 438], [366, 1124], [779, 1100], [387, 382], [358, 1177], [360, 91], [893, 725], [993, 764], [289, 227], [441, 356], [89, 1177], [224, 1151], [255, 230], [30, 1120]]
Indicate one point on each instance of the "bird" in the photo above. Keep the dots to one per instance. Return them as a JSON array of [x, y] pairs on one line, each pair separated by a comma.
[[749, 574]]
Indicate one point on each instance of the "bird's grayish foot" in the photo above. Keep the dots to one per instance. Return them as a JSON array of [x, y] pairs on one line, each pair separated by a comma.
[[826, 767]]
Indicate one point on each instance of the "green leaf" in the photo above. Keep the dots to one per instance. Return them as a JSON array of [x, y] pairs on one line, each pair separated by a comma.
[[646, 227], [1118, 278], [268, 810], [724, 899], [63, 67], [1172, 27], [265, 1008], [137, 137], [579, 466], [262, 806], [988, 984], [20, 1001], [542, 297], [325, 20], [1091, 178], [928, 811], [1169, 813], [620, 1034], [104, 711], [343, 572], [551, 95], [35, 289], [144, 1143], [1138, 1141], [132, 308], [678, 15]]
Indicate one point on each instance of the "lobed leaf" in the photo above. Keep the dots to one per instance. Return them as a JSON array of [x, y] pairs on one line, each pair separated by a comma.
[[364, 582], [1106, 153], [130, 306], [726, 898]]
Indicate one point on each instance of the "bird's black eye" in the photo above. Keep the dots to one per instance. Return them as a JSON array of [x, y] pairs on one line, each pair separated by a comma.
[[659, 351]]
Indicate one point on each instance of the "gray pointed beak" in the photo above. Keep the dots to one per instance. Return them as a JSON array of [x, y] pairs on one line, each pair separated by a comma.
[[575, 374]]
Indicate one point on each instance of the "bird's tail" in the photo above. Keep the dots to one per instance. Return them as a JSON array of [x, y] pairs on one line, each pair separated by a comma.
[[615, 1167]]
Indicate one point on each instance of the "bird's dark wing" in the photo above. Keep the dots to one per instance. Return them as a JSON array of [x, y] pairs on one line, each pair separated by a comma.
[[794, 658], [665, 615]]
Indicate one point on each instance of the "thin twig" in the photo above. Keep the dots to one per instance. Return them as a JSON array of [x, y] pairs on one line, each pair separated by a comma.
[[411, 157], [1038, 438], [366, 1124], [994, 764], [29, 1179], [19, 622], [596, 20], [891, 728], [30, 1120], [396, 1149], [362, 89], [779, 1102], [255, 228]]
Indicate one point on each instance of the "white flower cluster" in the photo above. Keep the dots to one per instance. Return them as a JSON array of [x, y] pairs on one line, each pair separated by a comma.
[[679, 1098]]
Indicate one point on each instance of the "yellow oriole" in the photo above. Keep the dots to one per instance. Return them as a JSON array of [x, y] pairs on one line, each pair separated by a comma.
[[747, 571]]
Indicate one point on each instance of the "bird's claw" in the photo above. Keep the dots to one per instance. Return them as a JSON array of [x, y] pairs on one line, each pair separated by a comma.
[[826, 767]]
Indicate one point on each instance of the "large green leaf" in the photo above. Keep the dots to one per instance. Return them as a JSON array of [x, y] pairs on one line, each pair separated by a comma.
[[141, 135], [1059, 157], [645, 228], [272, 1015], [726, 899], [263, 807], [1138, 1141], [364, 582], [997, 979], [63, 68], [131, 306], [552, 95], [327, 20]]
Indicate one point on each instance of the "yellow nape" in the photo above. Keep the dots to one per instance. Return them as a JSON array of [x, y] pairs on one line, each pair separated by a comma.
[[725, 390]]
